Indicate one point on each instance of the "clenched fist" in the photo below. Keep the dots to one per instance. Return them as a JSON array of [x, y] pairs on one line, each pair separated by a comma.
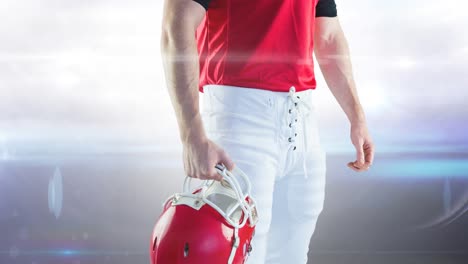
[[364, 147], [200, 157]]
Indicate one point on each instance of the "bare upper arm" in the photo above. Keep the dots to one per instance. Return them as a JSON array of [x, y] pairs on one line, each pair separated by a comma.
[[182, 14], [326, 29], [326, 21]]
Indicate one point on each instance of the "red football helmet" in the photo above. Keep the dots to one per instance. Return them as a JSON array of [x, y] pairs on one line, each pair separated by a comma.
[[213, 224]]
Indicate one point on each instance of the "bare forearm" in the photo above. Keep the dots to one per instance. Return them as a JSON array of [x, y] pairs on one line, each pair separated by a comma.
[[332, 54], [181, 68]]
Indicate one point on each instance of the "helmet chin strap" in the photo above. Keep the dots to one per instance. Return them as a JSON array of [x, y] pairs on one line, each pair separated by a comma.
[[247, 206]]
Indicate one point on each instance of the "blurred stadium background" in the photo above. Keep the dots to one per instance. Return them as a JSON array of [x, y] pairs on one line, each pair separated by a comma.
[[89, 145]]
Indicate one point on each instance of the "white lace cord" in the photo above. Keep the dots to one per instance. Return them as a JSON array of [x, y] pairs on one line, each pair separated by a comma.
[[292, 103], [296, 105]]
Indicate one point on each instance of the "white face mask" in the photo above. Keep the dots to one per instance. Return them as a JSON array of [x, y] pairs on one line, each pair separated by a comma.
[[230, 197]]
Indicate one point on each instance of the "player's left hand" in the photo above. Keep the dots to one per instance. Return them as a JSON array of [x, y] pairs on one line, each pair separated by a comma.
[[364, 147]]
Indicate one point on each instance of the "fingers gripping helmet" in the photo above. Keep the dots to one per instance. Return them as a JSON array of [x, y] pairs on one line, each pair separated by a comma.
[[213, 224]]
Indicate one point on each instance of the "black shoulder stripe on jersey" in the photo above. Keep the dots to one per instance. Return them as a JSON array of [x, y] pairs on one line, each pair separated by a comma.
[[326, 8], [204, 3]]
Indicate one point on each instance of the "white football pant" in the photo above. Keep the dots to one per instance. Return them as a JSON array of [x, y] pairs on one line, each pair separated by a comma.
[[273, 137]]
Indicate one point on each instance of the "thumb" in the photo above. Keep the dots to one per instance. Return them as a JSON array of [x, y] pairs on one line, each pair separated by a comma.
[[227, 161]]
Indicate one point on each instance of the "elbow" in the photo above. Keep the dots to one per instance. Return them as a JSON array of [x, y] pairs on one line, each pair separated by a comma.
[[328, 46], [326, 40], [323, 48], [171, 36], [177, 33], [170, 30], [179, 23], [165, 42]]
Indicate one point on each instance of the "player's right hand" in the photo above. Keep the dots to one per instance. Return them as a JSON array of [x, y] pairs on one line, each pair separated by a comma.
[[200, 157]]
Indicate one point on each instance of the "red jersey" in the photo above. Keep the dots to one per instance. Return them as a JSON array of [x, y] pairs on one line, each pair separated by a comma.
[[263, 44]]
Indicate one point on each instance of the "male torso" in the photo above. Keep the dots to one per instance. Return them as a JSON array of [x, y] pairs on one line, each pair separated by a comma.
[[266, 44]]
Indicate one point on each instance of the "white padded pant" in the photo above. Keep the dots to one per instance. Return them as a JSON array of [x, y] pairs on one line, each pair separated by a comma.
[[273, 137]]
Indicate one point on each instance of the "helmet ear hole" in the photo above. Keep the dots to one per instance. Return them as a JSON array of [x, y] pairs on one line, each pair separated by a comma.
[[213, 223], [186, 250], [154, 243]]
